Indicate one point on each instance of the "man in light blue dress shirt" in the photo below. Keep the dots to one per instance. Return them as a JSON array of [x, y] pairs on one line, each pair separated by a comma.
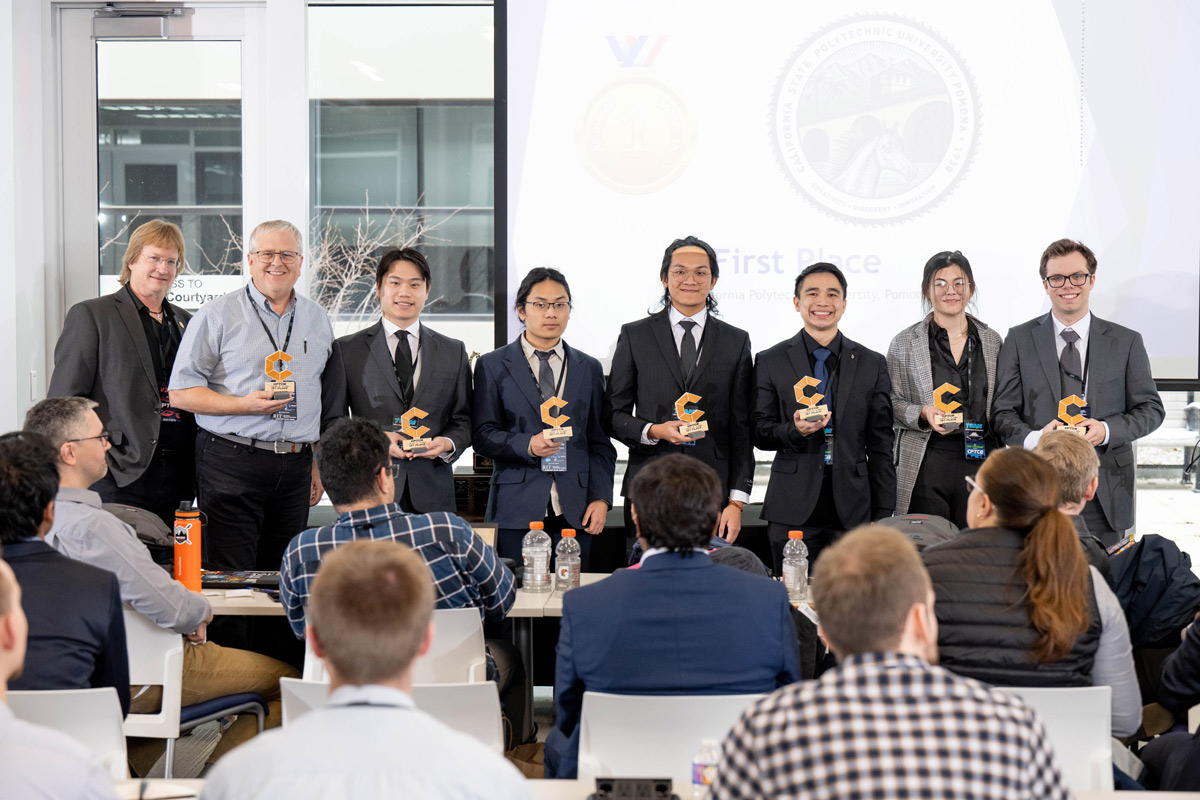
[[255, 473]]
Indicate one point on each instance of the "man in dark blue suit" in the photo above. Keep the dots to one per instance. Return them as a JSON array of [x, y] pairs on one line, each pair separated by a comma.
[[76, 627], [567, 484], [679, 624]]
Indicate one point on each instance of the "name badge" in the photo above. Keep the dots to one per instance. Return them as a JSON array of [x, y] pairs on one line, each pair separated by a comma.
[[973, 441], [278, 390], [556, 462], [828, 445]]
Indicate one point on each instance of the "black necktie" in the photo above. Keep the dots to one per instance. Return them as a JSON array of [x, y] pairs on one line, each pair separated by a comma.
[[1070, 365], [545, 374], [404, 368], [687, 349]]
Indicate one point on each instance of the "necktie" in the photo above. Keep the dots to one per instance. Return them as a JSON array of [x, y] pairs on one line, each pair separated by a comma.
[[1070, 365], [821, 373], [545, 374], [687, 349], [404, 368]]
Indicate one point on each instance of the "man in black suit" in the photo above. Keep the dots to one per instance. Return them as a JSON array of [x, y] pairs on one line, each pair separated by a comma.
[[119, 350], [1071, 352], [833, 472], [76, 627], [366, 378], [680, 350]]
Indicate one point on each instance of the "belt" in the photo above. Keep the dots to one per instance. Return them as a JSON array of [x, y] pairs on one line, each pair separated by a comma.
[[278, 448]]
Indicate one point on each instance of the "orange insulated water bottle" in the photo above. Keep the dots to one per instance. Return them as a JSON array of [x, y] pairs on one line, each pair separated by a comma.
[[187, 546]]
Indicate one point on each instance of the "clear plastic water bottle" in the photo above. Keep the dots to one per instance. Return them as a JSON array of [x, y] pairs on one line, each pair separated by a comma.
[[704, 768], [795, 567], [568, 563], [535, 553]]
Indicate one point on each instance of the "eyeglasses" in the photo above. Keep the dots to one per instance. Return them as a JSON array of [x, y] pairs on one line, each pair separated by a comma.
[[105, 435], [544, 307], [1059, 281], [679, 275], [972, 485], [941, 286], [288, 257], [393, 470], [169, 263]]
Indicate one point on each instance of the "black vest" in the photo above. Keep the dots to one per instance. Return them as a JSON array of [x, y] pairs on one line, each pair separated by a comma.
[[984, 630]]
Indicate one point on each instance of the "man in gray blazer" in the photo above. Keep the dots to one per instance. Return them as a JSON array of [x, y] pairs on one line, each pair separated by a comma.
[[1071, 352], [119, 350], [396, 364]]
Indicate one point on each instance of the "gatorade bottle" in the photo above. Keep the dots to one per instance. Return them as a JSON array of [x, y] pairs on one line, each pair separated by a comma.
[[187, 546], [704, 768], [795, 567], [535, 553], [568, 563]]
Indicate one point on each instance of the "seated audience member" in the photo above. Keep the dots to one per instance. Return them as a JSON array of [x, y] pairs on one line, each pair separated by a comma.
[[1078, 468], [36, 761], [1173, 760], [678, 625], [76, 626], [886, 722], [369, 618], [85, 532], [1017, 603], [356, 473]]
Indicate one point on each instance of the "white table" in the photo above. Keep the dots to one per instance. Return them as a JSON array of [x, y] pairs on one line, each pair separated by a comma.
[[554, 603], [571, 790], [162, 787], [259, 604]]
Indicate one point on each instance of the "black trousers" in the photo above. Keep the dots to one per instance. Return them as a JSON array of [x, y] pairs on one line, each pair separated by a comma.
[[821, 529], [941, 488], [1098, 525], [252, 502], [170, 478]]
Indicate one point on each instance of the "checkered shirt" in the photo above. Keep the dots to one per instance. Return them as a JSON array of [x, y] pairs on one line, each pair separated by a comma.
[[466, 571], [886, 725]]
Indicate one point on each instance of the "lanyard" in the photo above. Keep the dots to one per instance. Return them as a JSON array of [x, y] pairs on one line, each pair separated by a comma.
[[287, 340], [562, 374]]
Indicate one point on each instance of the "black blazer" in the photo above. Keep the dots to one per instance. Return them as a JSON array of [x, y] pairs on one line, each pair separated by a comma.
[[508, 412], [646, 381], [102, 354], [864, 476], [76, 627], [360, 379]]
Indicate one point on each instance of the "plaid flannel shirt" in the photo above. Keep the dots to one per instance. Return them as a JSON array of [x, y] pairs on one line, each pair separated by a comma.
[[887, 725], [466, 571]]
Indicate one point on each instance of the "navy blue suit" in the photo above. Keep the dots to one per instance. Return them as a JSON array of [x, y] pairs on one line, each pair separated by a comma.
[[508, 412], [678, 625]]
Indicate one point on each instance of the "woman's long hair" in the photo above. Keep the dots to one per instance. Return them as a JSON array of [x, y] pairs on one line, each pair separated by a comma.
[[1024, 490]]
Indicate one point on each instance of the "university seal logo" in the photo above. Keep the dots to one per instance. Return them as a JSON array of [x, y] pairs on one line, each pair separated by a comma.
[[874, 119]]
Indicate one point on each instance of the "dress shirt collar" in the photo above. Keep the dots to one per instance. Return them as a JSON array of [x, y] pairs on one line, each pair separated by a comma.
[[87, 497], [1082, 327], [263, 303], [700, 317], [529, 349], [370, 516], [811, 344], [369, 695], [142, 307], [654, 551], [414, 330]]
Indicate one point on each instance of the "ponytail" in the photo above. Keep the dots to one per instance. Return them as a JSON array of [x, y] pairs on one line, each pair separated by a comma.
[[1056, 572]]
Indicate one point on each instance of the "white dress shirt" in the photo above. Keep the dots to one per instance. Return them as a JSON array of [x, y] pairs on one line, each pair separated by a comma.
[[557, 361], [414, 345], [37, 762], [1082, 327], [366, 741]]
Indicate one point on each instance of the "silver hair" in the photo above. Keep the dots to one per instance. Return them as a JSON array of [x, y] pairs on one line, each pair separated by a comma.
[[58, 418], [273, 226]]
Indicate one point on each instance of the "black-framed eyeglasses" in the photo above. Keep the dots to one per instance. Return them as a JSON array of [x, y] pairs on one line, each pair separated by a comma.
[[544, 307], [1059, 281], [288, 257], [393, 470], [105, 435]]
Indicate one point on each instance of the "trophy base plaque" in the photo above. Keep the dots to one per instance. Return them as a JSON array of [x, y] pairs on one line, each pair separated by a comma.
[[694, 430], [1082, 431], [557, 434], [949, 421], [812, 413], [416, 445]]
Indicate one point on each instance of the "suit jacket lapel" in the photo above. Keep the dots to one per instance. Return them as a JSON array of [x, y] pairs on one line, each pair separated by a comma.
[[573, 384], [133, 323], [382, 356], [522, 375], [429, 365], [1099, 354], [848, 367], [710, 340], [1043, 342], [920, 354], [661, 326], [798, 356]]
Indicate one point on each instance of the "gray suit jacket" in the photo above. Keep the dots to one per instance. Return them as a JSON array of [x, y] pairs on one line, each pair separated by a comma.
[[912, 389], [360, 379], [1120, 392], [102, 354]]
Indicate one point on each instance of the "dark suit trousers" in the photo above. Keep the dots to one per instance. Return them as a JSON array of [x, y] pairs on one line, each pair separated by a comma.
[[821, 529], [1097, 524], [941, 489], [253, 502], [170, 478]]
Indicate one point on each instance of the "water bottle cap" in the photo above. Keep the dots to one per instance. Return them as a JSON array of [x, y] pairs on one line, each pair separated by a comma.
[[795, 534], [569, 533], [536, 526]]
